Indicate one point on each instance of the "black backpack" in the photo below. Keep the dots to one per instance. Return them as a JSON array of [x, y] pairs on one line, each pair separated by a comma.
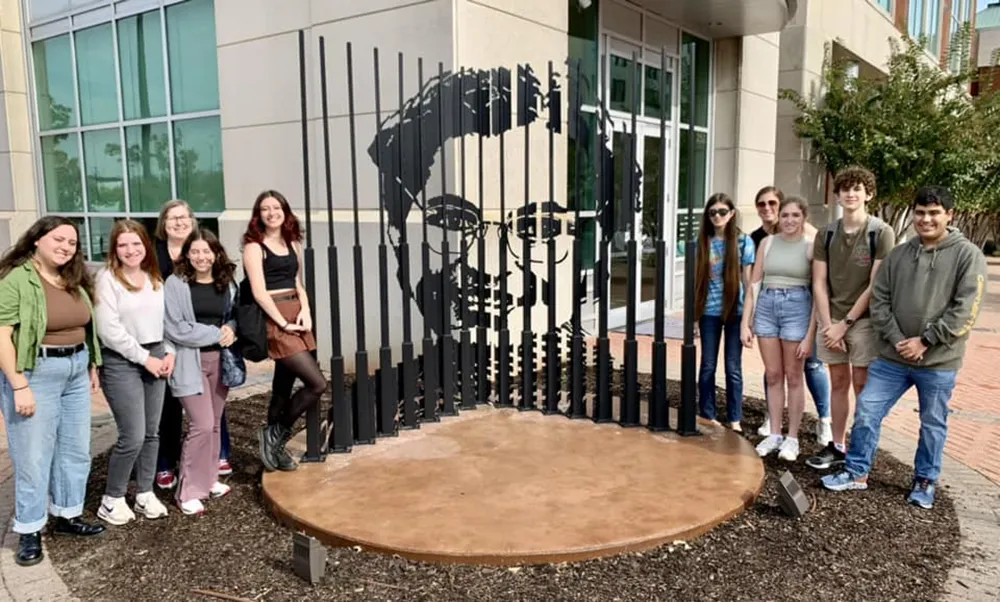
[[251, 325]]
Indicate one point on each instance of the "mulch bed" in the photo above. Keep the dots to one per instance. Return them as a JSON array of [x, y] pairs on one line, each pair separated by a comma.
[[851, 546]]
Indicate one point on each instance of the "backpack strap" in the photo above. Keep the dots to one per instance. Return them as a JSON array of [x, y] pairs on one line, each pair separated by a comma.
[[873, 233]]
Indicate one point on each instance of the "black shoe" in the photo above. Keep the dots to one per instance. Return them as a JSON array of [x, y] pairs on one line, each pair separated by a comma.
[[272, 439], [828, 458], [76, 526], [29, 550]]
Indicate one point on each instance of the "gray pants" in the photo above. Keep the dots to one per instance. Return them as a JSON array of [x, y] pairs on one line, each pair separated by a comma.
[[136, 400]]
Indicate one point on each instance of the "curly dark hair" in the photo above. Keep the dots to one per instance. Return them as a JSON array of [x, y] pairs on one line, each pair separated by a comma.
[[849, 177], [223, 269], [74, 273], [290, 230]]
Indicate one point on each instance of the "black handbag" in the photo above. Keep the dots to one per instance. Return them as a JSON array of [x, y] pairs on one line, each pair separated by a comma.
[[251, 325], [233, 368]]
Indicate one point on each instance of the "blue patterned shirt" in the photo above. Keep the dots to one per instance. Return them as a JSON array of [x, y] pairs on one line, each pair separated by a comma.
[[717, 256]]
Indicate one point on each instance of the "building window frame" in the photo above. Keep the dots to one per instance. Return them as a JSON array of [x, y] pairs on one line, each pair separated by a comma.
[[70, 23], [926, 22]]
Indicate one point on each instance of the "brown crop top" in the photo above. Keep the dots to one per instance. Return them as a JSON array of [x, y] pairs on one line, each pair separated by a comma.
[[66, 317]]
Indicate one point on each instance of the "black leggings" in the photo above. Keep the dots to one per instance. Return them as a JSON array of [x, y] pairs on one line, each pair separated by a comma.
[[286, 408]]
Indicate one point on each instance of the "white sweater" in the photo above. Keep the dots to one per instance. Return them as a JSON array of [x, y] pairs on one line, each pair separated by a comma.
[[127, 320]]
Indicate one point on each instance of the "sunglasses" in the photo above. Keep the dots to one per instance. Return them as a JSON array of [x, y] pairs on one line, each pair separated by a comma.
[[762, 204], [719, 212]]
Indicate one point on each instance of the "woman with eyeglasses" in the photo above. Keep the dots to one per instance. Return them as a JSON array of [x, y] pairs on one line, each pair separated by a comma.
[[272, 259], [725, 256], [49, 354], [783, 320], [175, 223]]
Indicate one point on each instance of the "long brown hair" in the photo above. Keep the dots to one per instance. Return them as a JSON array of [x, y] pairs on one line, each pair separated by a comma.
[[223, 268], [290, 230], [74, 273], [149, 263], [731, 261]]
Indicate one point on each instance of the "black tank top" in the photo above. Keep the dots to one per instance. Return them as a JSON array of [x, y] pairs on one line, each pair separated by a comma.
[[279, 270]]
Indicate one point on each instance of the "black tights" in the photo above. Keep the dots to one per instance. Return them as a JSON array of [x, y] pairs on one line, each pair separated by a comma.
[[286, 408]]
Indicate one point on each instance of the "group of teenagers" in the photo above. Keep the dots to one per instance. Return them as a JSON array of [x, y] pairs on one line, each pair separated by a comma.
[[155, 330], [883, 318]]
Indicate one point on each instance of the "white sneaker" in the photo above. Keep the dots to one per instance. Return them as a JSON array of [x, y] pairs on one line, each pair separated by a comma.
[[192, 507], [769, 445], [115, 511], [150, 506], [219, 490], [824, 432], [737, 428], [789, 451], [765, 429]]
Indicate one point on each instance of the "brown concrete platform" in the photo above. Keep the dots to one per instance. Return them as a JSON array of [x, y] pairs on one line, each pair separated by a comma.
[[503, 487]]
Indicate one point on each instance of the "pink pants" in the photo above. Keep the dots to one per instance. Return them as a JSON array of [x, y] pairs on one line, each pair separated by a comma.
[[200, 455]]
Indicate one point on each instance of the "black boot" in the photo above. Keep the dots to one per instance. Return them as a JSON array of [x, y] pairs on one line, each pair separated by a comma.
[[272, 439], [29, 551], [283, 459], [76, 526]]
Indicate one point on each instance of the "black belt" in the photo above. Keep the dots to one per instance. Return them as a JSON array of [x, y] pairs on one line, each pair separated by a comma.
[[60, 351]]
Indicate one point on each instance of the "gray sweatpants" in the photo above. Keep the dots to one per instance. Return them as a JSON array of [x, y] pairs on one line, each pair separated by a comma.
[[136, 400]]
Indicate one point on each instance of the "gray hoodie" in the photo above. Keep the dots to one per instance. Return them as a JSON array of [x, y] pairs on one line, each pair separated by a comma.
[[182, 330], [931, 293]]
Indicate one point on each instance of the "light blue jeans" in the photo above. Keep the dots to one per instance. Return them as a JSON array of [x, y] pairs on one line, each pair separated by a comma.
[[50, 451], [887, 382]]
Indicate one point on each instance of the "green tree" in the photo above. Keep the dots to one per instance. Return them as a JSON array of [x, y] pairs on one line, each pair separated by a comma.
[[914, 126]]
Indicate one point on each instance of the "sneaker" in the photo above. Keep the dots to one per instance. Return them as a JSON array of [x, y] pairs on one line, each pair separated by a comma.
[[192, 508], [225, 469], [845, 481], [789, 450], [150, 506], [115, 511], [769, 445], [824, 432], [219, 490], [165, 479], [765, 429], [922, 494], [828, 458], [736, 427]]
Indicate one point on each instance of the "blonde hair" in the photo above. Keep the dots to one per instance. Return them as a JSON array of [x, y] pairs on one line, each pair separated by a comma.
[[161, 222]]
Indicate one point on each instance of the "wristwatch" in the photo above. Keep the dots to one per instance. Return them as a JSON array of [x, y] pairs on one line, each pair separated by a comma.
[[849, 322], [924, 341]]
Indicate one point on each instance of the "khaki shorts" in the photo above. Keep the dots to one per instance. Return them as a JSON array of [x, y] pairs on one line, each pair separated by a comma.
[[861, 342]]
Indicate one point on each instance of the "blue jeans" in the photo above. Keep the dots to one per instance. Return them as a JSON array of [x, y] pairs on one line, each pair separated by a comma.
[[887, 382], [50, 451], [818, 383], [712, 331]]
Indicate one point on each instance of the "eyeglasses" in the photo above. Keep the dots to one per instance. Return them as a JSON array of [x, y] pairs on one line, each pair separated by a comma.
[[762, 204], [719, 212], [178, 219]]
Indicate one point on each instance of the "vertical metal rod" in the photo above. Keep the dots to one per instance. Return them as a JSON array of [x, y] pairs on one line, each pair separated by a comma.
[[527, 335], [659, 411], [386, 396], [428, 354], [603, 410], [630, 405], [446, 340], [483, 288], [364, 409], [408, 365], [687, 425], [341, 417], [553, 359], [314, 429], [466, 388], [578, 404], [504, 398]]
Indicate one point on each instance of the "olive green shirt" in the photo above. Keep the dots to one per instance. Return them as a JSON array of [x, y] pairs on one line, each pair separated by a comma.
[[850, 262], [22, 305]]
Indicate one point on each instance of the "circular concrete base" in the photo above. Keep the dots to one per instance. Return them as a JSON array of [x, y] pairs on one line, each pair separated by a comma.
[[503, 487]]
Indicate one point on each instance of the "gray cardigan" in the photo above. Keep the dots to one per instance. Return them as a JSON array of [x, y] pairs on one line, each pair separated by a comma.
[[181, 328]]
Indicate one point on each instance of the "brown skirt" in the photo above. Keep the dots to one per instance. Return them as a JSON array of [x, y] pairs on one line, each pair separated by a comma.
[[281, 344]]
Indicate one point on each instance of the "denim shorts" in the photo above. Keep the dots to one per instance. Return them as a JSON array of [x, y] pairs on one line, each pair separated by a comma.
[[783, 313]]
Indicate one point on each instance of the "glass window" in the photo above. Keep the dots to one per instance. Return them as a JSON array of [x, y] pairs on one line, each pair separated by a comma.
[[654, 89], [54, 83], [198, 163], [194, 78], [42, 9], [61, 173], [102, 162], [583, 23], [915, 23], [140, 52], [148, 166], [95, 68], [934, 16], [100, 236], [621, 84], [702, 50], [684, 230], [886, 5], [700, 170]]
